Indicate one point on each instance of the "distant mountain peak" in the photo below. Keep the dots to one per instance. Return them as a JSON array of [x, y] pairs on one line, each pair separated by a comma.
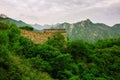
[[116, 25], [84, 22], [35, 24], [20, 21], [3, 16], [87, 21]]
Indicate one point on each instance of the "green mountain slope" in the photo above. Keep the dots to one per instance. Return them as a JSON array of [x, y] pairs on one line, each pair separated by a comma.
[[19, 23], [89, 31], [116, 29]]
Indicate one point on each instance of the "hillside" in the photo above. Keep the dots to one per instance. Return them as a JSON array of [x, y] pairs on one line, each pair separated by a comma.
[[18, 22], [90, 32], [56, 59]]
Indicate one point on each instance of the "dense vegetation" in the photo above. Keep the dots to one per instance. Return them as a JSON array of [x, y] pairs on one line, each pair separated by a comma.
[[29, 28], [13, 65], [57, 59]]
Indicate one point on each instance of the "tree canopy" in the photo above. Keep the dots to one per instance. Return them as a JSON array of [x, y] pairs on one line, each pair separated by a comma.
[[57, 59], [29, 28]]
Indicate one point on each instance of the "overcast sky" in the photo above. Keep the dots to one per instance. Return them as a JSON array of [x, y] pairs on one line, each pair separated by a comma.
[[57, 11]]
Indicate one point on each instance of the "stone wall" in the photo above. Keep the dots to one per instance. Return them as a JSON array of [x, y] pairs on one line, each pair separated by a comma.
[[54, 30], [37, 37]]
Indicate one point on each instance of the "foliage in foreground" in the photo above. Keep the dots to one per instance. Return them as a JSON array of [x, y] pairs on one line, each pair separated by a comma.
[[21, 59], [12, 65]]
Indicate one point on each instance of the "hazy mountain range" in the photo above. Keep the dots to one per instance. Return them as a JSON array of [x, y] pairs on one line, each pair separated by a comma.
[[84, 30], [41, 27]]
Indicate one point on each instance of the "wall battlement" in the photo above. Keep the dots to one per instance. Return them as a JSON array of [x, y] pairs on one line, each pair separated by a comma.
[[39, 38], [54, 30]]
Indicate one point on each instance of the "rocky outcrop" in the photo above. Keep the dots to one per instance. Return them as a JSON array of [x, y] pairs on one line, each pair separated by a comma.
[[3, 16]]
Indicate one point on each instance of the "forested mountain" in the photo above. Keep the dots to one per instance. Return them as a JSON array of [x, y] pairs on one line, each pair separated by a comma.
[[116, 29], [89, 31]]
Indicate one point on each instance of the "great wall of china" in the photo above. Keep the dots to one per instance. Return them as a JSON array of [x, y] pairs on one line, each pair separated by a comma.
[[40, 38]]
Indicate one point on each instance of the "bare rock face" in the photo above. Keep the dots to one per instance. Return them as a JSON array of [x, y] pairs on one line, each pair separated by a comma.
[[3, 16]]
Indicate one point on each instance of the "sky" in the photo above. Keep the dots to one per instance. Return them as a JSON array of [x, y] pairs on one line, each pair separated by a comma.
[[58, 11]]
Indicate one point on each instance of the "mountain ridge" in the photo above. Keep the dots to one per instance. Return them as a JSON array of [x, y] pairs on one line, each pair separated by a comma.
[[88, 31], [85, 30], [19, 23]]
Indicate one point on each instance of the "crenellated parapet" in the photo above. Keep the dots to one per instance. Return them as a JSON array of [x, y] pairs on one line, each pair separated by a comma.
[[54, 30]]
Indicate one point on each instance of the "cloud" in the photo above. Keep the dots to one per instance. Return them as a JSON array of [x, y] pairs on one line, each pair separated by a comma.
[[53, 11]]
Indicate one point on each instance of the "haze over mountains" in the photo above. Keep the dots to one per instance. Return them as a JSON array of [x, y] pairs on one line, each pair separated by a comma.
[[84, 30]]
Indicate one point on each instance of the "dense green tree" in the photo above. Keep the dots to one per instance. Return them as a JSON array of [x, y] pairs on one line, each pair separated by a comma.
[[40, 64], [4, 24], [29, 28], [12, 65], [25, 47], [78, 50], [57, 41]]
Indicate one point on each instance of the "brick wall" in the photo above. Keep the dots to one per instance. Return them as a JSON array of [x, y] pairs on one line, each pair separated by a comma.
[[40, 37]]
